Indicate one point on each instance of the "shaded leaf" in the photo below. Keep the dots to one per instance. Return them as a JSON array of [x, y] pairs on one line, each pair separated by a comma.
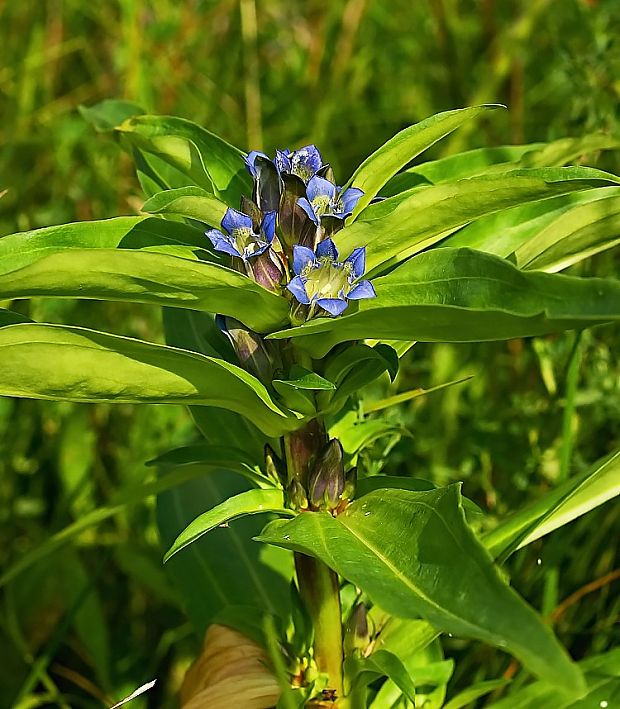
[[106, 115], [413, 553], [246, 503], [382, 663]]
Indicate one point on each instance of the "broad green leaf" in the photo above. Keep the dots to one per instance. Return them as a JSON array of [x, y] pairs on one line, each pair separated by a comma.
[[214, 164], [382, 663], [385, 162], [76, 364], [475, 691], [224, 568], [456, 167], [602, 673], [106, 115], [124, 233], [191, 202], [145, 277], [501, 158], [566, 502], [414, 554], [462, 295], [401, 226], [227, 458], [250, 502], [577, 234], [505, 232]]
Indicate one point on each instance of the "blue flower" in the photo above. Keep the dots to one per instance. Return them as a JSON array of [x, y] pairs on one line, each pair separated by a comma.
[[304, 163], [322, 280], [324, 199], [250, 162], [240, 238]]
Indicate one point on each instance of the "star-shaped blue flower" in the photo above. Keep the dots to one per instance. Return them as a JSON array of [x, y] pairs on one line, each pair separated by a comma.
[[324, 199], [322, 280], [239, 238], [304, 163]]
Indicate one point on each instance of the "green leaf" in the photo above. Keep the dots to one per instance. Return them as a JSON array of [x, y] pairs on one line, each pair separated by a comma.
[[107, 114], [456, 167], [145, 277], [225, 567], [214, 164], [76, 364], [388, 402], [462, 295], [469, 695], [250, 502], [566, 502], [440, 572], [385, 162], [8, 317], [602, 675], [505, 232], [224, 457], [124, 233], [191, 202], [382, 663], [400, 226], [581, 232], [501, 158]]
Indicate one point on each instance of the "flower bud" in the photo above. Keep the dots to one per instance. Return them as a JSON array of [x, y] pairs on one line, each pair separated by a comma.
[[326, 481], [267, 270], [255, 355], [297, 497], [350, 484], [357, 635], [274, 465], [295, 225]]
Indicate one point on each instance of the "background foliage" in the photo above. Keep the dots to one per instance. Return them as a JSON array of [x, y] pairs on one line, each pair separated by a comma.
[[93, 619]]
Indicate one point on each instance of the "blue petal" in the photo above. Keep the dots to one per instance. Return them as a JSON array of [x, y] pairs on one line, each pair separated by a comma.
[[251, 159], [283, 160], [327, 248], [236, 220], [262, 247], [320, 187], [298, 289], [349, 199], [268, 226], [221, 242], [307, 158], [364, 289], [334, 306], [357, 259], [302, 256], [307, 207]]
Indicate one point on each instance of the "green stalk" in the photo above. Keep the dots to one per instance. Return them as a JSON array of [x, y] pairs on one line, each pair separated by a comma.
[[318, 584]]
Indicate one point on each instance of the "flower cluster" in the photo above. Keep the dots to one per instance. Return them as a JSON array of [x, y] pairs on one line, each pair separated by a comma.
[[282, 236]]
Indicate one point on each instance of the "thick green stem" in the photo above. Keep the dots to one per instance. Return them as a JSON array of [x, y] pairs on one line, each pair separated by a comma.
[[319, 590], [318, 584]]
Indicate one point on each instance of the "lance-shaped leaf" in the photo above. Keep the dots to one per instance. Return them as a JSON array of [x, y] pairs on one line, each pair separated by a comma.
[[500, 158], [144, 277], [507, 231], [462, 295], [385, 162], [106, 115], [414, 554], [556, 508], [124, 233], [577, 234], [405, 224], [382, 663], [76, 364], [192, 202], [250, 502], [213, 163]]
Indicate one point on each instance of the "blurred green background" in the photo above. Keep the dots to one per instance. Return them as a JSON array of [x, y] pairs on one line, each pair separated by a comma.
[[92, 620]]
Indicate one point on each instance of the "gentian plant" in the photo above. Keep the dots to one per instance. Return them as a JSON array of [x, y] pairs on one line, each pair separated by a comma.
[[284, 294]]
